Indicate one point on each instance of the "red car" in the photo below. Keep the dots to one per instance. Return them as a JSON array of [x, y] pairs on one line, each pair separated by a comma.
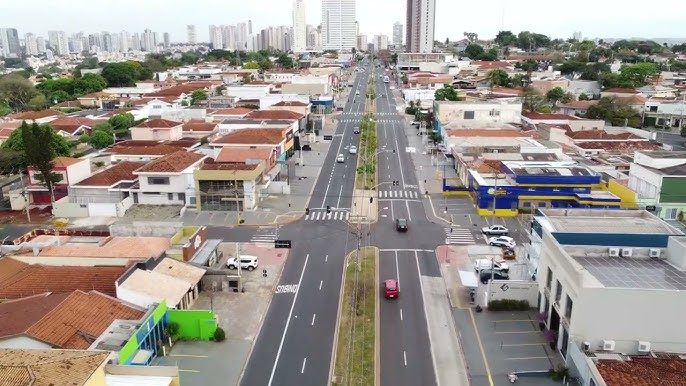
[[390, 288]]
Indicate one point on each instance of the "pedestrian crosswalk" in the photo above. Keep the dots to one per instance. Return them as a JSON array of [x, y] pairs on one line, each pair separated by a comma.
[[323, 216], [399, 194], [358, 120], [457, 235], [266, 235]]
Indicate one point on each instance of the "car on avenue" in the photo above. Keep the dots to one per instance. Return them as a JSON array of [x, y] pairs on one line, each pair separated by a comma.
[[401, 225], [390, 289], [356, 130], [340, 158], [495, 230], [352, 150], [481, 264], [502, 241]]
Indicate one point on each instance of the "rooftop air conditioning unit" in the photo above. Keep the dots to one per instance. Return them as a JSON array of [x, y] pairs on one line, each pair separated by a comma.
[[586, 346], [643, 346], [627, 252], [614, 252], [654, 253], [608, 345]]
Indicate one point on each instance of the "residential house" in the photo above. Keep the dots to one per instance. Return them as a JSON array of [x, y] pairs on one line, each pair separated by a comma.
[[618, 92], [282, 75], [298, 107], [573, 122], [230, 125], [97, 100], [228, 113], [67, 321], [183, 91], [664, 113], [574, 108], [542, 86], [250, 156], [157, 130], [199, 129], [67, 171], [595, 142], [658, 91], [40, 117], [659, 178], [589, 87], [105, 193], [428, 81], [483, 67], [280, 115], [228, 186], [280, 141], [144, 151], [74, 127], [168, 180], [475, 114]]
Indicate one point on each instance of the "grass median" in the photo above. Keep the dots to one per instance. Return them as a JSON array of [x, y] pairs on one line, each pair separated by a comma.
[[355, 350], [368, 158]]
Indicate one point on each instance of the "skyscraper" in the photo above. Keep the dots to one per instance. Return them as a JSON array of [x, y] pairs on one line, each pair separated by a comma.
[[40, 45], [299, 37], [59, 43], [166, 39], [192, 37], [421, 15], [9, 38], [31, 44], [338, 25], [398, 33], [380, 42], [216, 41]]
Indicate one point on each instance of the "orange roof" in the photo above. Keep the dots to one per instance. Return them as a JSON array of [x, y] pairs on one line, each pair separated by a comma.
[[20, 314], [602, 135], [95, 95], [159, 123], [242, 154], [33, 115], [199, 125], [540, 116], [242, 111], [115, 247], [618, 146], [6, 133], [494, 133], [643, 371], [208, 165], [171, 163], [619, 90], [21, 367], [256, 136], [80, 318], [581, 105], [74, 121], [291, 103], [36, 279], [10, 267], [484, 65], [274, 114], [122, 171], [10, 125], [63, 162]]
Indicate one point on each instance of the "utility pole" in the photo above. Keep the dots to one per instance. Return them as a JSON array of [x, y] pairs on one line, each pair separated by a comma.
[[23, 194]]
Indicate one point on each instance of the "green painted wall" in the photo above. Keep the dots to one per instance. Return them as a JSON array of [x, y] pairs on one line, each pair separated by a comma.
[[673, 190], [130, 348], [194, 324]]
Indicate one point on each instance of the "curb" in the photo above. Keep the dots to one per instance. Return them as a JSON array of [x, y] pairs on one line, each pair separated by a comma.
[[259, 330], [377, 324], [334, 348]]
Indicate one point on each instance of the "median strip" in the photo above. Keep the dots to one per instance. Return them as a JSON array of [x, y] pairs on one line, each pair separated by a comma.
[[355, 350]]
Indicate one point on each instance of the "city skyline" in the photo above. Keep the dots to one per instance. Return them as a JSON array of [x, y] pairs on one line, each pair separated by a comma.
[[374, 18]]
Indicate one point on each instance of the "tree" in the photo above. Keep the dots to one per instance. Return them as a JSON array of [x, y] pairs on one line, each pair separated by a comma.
[[471, 36], [285, 61], [100, 139], [498, 77], [446, 93], [638, 74], [251, 66], [615, 111], [89, 83], [584, 97], [247, 78], [16, 91], [59, 96], [105, 127], [34, 138], [473, 50], [555, 95], [122, 121], [568, 97], [197, 96], [15, 143], [505, 38], [488, 56], [38, 102], [531, 100], [571, 67], [121, 74]]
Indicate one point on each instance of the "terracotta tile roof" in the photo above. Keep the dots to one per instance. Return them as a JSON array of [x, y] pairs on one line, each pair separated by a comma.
[[633, 100], [80, 318], [242, 154], [114, 247], [494, 133], [643, 371], [183, 88], [508, 90], [23, 367], [483, 65], [63, 162], [291, 104], [5, 133], [618, 146], [144, 148], [36, 279], [171, 163], [601, 135], [159, 123], [19, 315], [274, 114], [199, 125], [619, 90], [557, 117], [242, 111], [95, 95], [32, 115], [10, 267], [256, 136], [209, 165], [10, 125], [64, 104], [581, 105], [122, 171]]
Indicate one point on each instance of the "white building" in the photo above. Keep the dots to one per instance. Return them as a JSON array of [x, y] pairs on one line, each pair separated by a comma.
[[190, 32], [59, 42], [338, 25], [362, 42], [299, 38], [216, 37], [31, 44], [398, 32], [475, 114], [420, 22], [658, 178], [610, 281], [168, 180], [380, 42]]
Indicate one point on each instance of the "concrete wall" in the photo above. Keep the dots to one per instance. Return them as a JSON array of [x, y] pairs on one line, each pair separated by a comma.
[[23, 342], [78, 171], [306, 88], [644, 181], [146, 229], [177, 183], [64, 208], [453, 113], [136, 298], [278, 187], [163, 134]]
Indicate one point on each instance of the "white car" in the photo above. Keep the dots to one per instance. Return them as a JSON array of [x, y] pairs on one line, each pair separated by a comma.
[[352, 150], [481, 264], [495, 230], [502, 241], [247, 262], [340, 158], [357, 93]]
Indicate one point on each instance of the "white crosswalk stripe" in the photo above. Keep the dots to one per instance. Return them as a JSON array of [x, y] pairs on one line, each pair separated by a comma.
[[323, 216], [458, 235], [399, 194], [265, 235]]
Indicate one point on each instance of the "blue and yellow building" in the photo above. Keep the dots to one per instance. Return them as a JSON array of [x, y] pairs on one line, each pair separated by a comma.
[[528, 185]]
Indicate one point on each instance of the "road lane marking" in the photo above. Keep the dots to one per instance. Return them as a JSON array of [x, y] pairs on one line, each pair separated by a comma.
[[409, 215], [481, 348], [525, 358], [397, 271], [302, 371], [392, 211], [401, 314], [314, 316], [428, 325], [288, 322], [287, 289], [340, 194], [188, 356], [321, 282], [326, 258], [405, 358], [406, 250], [188, 371]]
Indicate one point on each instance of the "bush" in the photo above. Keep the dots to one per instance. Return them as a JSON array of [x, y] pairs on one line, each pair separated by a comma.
[[219, 335], [508, 305], [172, 330]]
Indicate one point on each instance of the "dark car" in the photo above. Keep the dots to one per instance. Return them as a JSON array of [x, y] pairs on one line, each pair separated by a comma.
[[356, 131], [306, 148], [401, 225], [486, 274]]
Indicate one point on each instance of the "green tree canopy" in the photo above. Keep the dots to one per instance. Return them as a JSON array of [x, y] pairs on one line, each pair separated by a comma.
[[473, 51], [251, 66], [498, 77], [505, 38], [15, 143], [100, 139], [615, 111], [555, 95], [639, 73], [198, 95], [104, 127], [122, 121], [122, 74], [446, 93], [16, 91], [34, 138], [38, 102]]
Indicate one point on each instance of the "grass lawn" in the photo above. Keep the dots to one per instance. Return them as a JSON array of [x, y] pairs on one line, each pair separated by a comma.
[[355, 349]]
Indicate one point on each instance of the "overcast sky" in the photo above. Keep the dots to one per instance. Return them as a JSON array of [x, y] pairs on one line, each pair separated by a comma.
[[594, 18]]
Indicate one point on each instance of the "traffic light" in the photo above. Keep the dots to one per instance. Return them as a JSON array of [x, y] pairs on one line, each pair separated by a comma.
[[328, 209], [307, 210]]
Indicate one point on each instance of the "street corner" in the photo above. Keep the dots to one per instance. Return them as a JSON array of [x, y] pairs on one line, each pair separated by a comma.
[[456, 256], [268, 256]]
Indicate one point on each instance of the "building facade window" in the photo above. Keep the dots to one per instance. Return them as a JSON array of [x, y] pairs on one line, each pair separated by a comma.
[[569, 304], [158, 180], [549, 278], [558, 291]]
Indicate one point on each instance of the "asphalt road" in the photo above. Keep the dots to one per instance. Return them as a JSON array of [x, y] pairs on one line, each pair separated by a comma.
[[405, 351], [295, 343]]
